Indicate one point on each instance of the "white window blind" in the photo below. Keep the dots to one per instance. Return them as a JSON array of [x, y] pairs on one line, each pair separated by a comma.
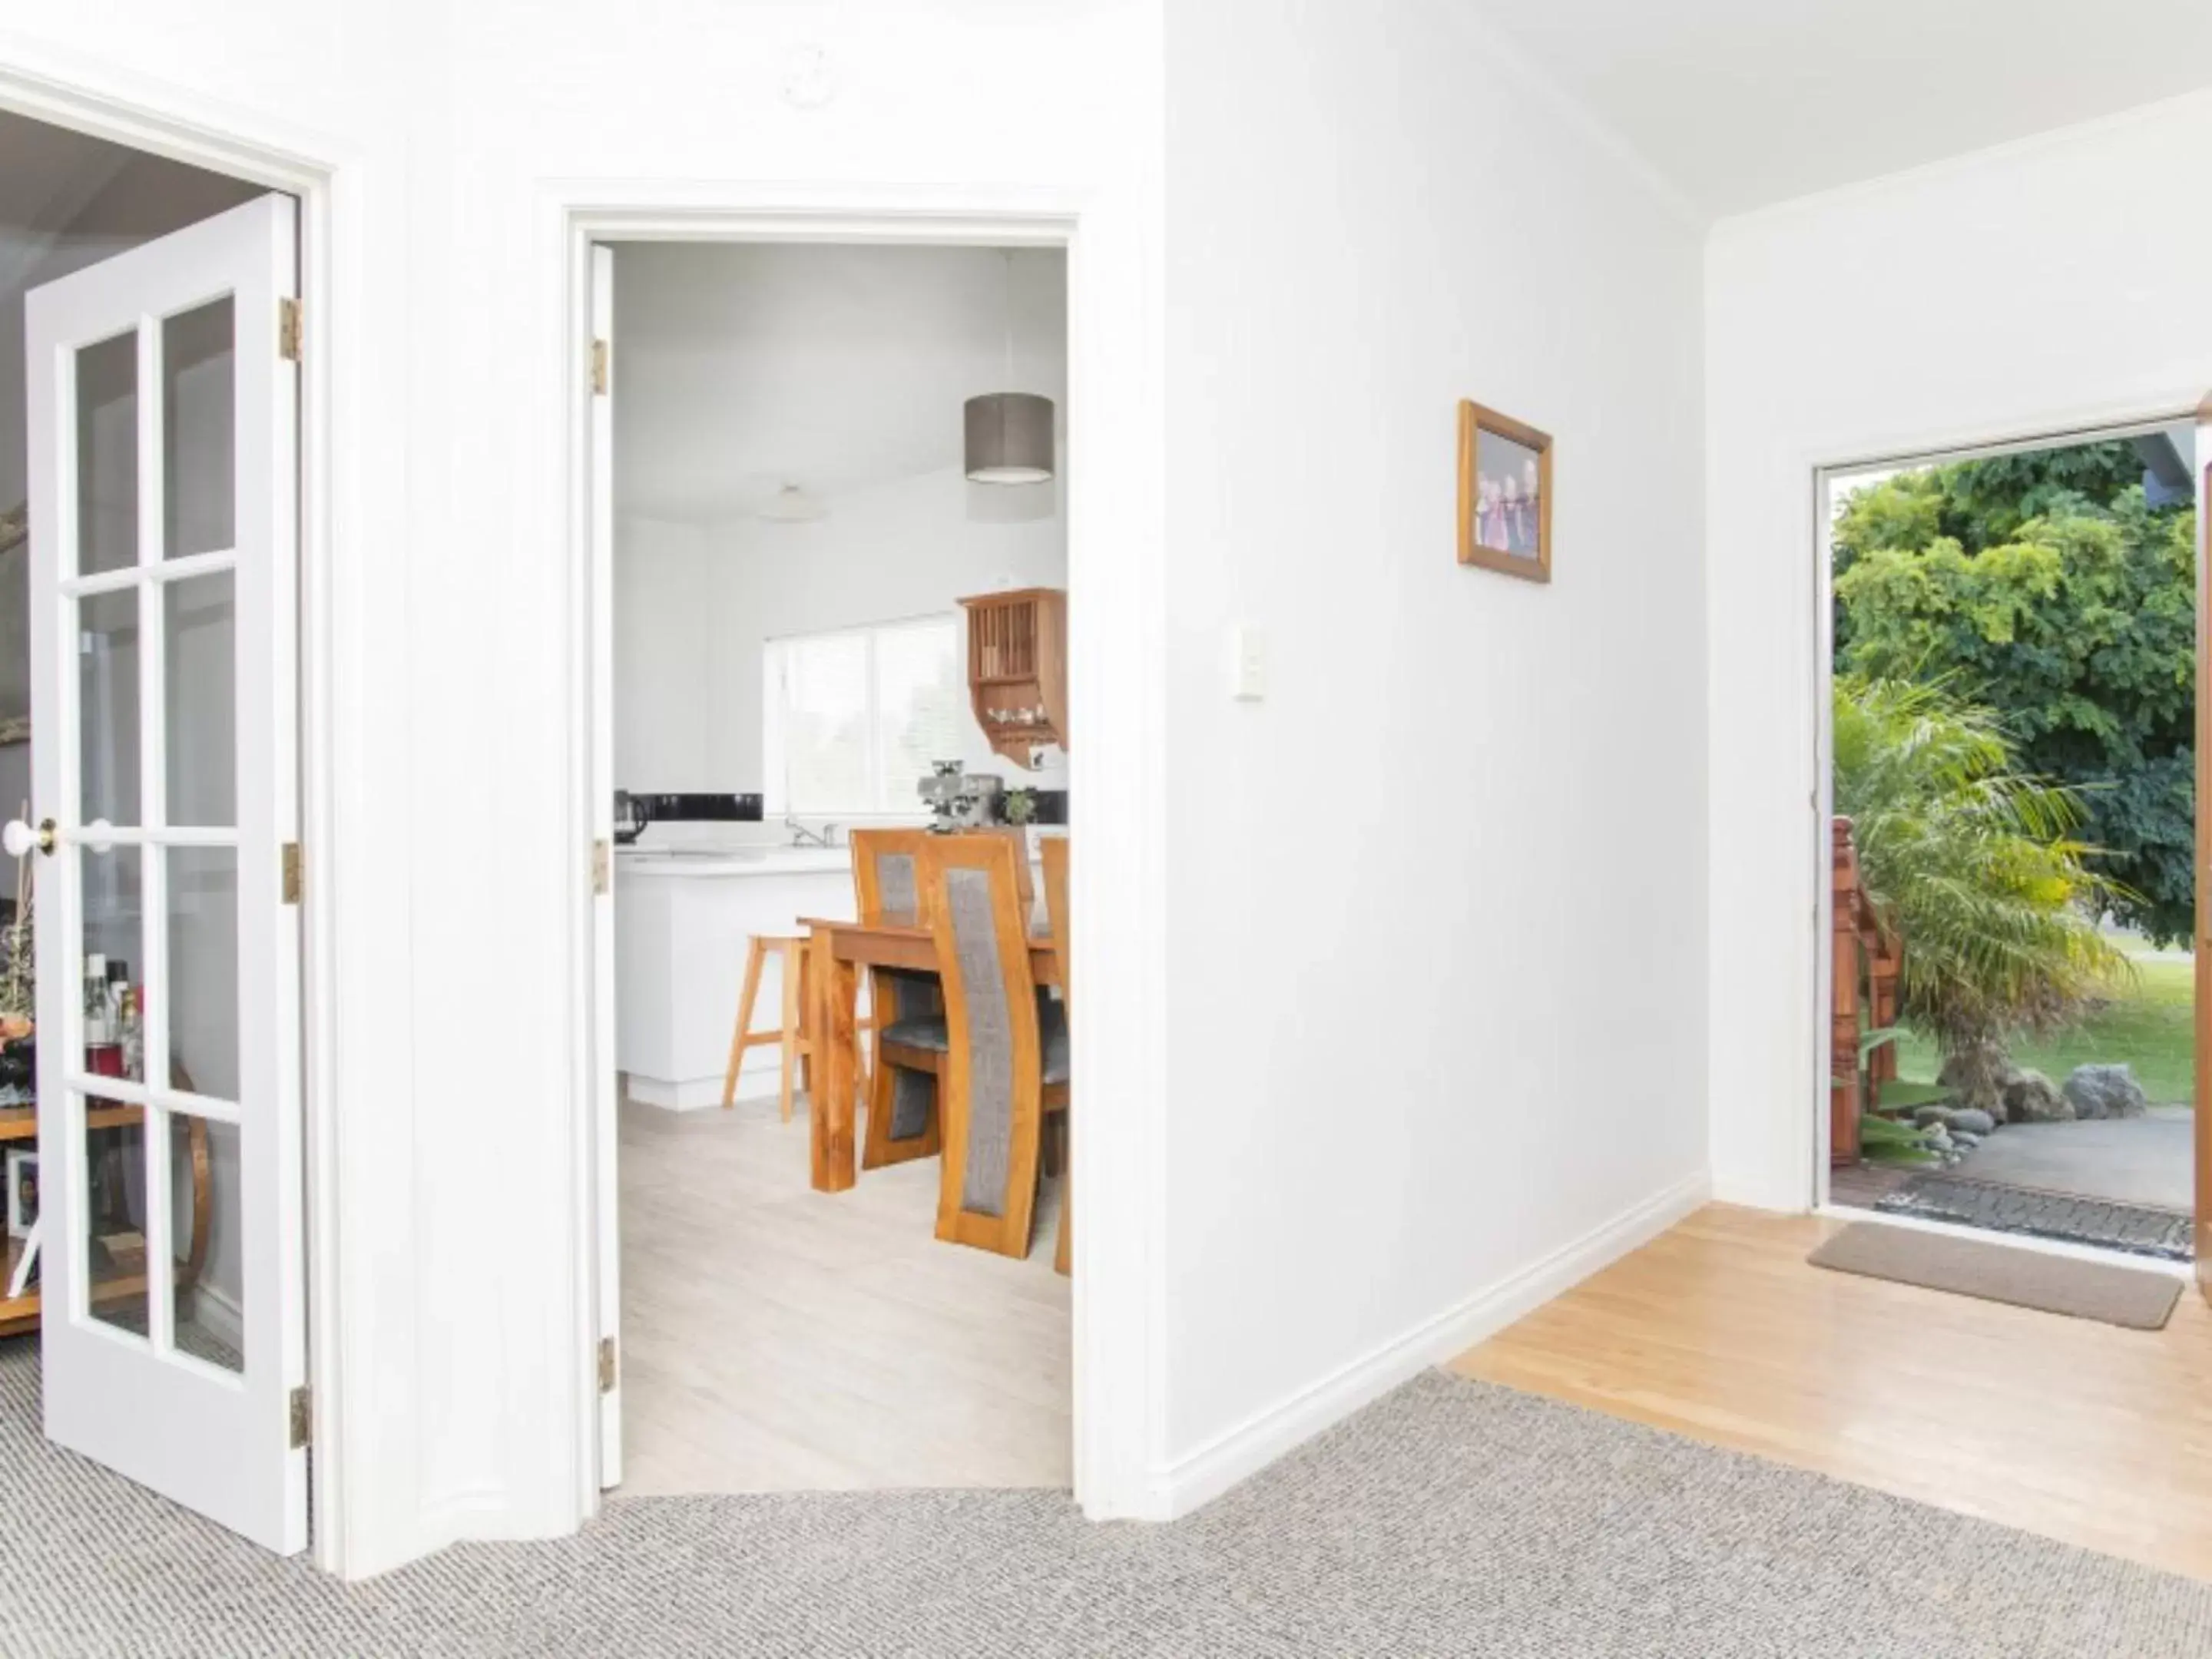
[[853, 719]]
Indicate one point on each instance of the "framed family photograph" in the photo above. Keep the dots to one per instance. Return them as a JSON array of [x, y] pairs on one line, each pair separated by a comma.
[[1505, 494]]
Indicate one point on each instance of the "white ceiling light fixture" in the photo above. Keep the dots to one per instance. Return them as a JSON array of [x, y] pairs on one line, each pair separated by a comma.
[[791, 505], [1009, 434]]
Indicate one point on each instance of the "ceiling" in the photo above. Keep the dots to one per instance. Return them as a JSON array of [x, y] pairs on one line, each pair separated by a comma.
[[1740, 103], [743, 367]]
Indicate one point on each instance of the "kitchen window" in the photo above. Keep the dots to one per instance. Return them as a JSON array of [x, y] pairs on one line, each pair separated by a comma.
[[851, 720]]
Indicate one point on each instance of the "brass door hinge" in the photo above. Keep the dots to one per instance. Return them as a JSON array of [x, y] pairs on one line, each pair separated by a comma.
[[599, 368], [606, 1365], [303, 1417], [292, 873], [602, 867], [289, 329]]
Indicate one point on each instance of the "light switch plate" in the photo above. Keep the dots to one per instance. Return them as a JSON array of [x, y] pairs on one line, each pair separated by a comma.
[[1247, 662]]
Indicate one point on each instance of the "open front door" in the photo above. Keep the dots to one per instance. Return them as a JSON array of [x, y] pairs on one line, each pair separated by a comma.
[[600, 430], [163, 412], [2203, 1092]]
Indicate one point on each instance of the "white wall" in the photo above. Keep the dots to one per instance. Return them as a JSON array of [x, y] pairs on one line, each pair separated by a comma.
[[694, 608], [1907, 314], [670, 620], [449, 123], [1468, 821]]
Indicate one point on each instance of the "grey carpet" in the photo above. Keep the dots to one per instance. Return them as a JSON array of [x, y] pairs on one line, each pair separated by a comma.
[[1993, 1206], [1450, 1518], [1962, 1265]]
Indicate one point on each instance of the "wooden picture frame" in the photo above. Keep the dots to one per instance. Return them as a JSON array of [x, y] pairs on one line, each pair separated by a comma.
[[1499, 529]]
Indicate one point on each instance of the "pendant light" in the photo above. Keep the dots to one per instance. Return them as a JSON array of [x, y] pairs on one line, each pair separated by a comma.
[[1009, 433]]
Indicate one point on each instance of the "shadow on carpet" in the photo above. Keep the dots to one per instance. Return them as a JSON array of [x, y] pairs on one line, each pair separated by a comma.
[[1451, 1518]]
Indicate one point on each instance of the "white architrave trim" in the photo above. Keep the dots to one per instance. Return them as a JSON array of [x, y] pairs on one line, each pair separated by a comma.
[[165, 120], [1117, 645]]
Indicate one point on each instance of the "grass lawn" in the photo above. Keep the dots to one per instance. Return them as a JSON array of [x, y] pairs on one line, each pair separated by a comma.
[[2150, 1028]]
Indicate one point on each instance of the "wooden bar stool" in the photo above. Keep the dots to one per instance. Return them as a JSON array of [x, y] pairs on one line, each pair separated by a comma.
[[797, 1042]]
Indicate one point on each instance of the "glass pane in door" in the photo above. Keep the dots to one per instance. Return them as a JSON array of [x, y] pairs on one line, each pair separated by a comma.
[[203, 1224], [107, 454], [115, 1214], [202, 982], [199, 386], [200, 670], [113, 890], [108, 707]]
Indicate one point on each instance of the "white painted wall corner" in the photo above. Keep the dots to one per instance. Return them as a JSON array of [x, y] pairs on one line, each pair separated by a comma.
[[1232, 1455]]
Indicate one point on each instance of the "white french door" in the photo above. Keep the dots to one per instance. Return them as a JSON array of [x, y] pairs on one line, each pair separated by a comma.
[[163, 417]]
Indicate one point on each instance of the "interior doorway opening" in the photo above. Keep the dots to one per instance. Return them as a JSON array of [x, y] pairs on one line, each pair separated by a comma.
[[812, 590], [151, 1090], [2012, 1011]]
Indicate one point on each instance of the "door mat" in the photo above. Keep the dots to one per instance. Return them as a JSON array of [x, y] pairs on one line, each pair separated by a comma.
[[2137, 1229], [2133, 1296]]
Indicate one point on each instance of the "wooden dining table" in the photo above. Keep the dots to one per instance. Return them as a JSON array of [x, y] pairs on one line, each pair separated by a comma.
[[837, 951]]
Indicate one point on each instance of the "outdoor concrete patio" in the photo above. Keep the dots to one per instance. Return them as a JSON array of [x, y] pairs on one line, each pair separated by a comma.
[[2142, 1160]]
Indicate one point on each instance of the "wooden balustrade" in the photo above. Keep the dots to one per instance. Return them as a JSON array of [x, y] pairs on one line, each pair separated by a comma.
[[1870, 959]]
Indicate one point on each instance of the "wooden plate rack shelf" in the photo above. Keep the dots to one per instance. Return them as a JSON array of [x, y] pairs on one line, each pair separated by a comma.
[[1018, 670]]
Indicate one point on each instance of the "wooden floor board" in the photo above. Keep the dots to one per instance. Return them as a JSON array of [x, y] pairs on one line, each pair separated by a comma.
[[778, 1339], [1720, 1330]]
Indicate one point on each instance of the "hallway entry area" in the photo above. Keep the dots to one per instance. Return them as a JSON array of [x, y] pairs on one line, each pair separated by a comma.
[[1721, 1330]]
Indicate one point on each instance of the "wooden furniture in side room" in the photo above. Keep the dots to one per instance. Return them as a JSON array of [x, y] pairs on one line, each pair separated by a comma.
[[791, 1034], [1054, 851], [1018, 670], [1008, 1063], [21, 1314], [906, 1010], [842, 951]]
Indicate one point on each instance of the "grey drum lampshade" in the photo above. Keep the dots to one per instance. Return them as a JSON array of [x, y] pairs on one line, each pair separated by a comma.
[[1010, 438]]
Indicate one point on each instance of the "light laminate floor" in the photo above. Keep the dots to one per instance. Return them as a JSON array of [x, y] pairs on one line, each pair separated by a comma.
[[1719, 1330], [776, 1339]]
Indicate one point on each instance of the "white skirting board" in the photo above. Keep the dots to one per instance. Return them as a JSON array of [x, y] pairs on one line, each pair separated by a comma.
[[694, 1094], [1232, 1455], [219, 1315]]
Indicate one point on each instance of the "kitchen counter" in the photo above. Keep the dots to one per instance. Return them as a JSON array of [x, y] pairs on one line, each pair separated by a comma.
[[718, 861], [683, 917]]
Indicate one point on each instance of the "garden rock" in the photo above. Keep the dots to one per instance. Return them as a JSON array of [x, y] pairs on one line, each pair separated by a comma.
[[1976, 1077], [2030, 1098], [1968, 1120], [1924, 1116], [2105, 1091]]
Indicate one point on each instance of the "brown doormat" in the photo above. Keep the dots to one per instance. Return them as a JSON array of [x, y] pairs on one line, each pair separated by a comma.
[[2003, 1272]]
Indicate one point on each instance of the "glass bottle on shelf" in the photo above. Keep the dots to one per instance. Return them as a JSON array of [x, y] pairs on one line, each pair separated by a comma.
[[130, 1032], [103, 1055]]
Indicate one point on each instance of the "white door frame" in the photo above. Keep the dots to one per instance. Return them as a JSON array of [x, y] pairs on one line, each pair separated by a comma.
[[2096, 425], [1117, 637], [165, 122]]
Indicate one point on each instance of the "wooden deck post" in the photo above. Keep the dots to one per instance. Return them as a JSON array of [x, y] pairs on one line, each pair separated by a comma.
[[1844, 1095]]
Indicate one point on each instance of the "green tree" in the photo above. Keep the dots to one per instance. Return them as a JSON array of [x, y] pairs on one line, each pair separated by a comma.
[[2044, 587], [1975, 865]]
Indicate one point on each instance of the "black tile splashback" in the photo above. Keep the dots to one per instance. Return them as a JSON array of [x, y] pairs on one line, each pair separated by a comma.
[[698, 808]]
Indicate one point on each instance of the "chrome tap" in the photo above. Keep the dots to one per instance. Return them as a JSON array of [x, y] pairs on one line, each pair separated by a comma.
[[803, 836]]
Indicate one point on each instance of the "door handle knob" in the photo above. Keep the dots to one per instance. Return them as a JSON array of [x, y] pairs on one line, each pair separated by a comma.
[[18, 838]]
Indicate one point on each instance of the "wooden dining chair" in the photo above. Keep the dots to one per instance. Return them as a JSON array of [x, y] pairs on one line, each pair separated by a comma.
[[905, 1008], [1053, 849], [1001, 1074]]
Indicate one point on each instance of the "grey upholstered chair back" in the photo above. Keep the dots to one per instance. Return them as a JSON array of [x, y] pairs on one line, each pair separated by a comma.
[[994, 1094]]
